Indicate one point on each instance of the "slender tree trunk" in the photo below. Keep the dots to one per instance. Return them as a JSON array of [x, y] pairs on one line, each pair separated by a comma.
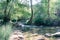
[[48, 12], [48, 9], [31, 18]]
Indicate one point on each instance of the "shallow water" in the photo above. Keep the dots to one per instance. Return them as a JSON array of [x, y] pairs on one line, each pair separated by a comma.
[[42, 30]]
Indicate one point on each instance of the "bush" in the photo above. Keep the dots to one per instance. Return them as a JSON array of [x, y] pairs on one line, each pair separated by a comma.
[[39, 22], [46, 22]]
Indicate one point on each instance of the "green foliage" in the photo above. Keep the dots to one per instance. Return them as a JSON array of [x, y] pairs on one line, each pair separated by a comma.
[[15, 10], [21, 10], [41, 12]]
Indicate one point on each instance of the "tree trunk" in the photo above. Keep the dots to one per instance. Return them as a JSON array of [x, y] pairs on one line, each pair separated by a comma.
[[31, 18], [48, 12], [6, 17], [48, 9]]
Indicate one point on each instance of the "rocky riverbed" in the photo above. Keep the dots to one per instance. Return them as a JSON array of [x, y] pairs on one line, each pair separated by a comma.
[[17, 35]]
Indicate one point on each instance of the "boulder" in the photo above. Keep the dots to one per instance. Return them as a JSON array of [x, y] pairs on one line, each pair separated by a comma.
[[57, 34]]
